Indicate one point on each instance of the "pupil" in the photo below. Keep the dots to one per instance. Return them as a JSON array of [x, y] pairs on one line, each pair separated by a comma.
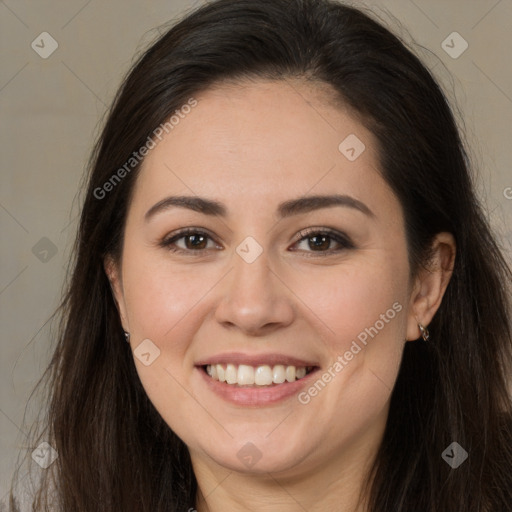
[[195, 240], [322, 242]]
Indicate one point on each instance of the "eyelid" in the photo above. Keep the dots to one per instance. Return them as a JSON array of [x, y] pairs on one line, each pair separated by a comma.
[[339, 237], [304, 233], [168, 240]]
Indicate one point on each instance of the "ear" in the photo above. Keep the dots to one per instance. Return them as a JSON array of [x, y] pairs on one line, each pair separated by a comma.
[[430, 284], [114, 276]]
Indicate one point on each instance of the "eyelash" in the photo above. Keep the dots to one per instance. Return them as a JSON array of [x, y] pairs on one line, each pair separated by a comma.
[[340, 238]]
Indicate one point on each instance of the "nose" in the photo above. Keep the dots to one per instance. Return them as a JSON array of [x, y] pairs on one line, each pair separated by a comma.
[[254, 298]]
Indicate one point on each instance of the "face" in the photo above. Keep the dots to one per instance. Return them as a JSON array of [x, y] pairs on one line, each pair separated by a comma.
[[300, 266]]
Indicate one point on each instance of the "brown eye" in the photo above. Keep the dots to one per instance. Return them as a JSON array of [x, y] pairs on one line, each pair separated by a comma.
[[195, 241], [189, 241], [319, 242], [322, 242]]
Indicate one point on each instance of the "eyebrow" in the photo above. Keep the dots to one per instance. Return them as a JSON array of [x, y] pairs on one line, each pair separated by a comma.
[[286, 209]]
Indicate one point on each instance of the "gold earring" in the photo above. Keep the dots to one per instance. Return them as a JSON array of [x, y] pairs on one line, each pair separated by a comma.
[[424, 332]]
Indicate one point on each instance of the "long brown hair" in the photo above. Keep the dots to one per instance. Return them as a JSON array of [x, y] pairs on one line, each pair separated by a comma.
[[115, 451]]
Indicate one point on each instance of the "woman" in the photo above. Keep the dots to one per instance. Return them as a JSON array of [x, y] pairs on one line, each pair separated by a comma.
[[280, 222]]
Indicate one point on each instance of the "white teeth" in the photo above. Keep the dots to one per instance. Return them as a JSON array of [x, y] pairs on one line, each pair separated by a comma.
[[231, 374], [245, 375], [279, 374], [263, 375], [300, 372]]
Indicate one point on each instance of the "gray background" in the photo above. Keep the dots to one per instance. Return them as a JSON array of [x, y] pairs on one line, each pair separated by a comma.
[[52, 110]]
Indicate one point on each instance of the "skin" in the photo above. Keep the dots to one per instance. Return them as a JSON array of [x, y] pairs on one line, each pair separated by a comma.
[[252, 146]]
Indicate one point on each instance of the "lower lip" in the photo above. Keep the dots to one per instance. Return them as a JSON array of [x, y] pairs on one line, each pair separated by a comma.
[[256, 396]]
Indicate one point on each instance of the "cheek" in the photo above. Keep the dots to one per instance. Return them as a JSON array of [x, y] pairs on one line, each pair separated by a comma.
[[354, 301], [162, 300], [361, 316], [164, 305]]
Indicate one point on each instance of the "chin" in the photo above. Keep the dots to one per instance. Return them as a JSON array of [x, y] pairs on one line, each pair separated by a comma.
[[257, 457]]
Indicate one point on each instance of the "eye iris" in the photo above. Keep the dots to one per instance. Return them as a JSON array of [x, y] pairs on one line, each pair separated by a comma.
[[197, 240], [320, 242]]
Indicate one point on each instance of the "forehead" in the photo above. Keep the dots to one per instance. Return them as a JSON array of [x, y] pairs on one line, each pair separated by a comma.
[[267, 139]]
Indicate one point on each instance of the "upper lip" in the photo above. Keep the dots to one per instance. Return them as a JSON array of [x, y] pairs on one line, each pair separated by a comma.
[[270, 359]]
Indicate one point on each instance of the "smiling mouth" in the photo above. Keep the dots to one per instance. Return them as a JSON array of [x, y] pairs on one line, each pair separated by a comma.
[[256, 376]]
